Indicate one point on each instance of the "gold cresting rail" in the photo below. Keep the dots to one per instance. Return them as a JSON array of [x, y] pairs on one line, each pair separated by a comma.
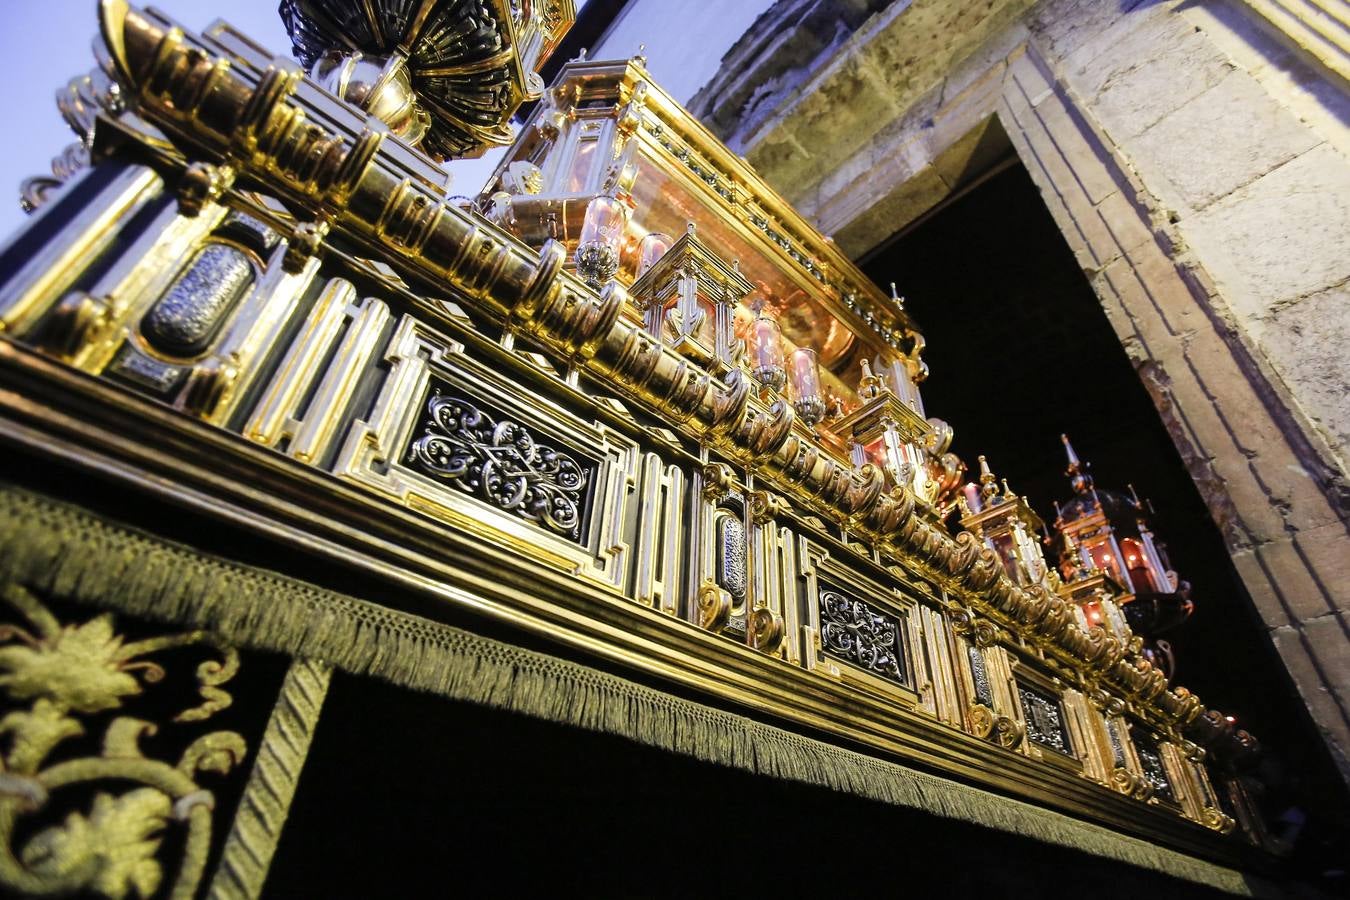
[[254, 130]]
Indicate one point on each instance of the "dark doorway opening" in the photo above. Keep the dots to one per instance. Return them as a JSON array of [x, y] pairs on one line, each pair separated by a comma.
[[1021, 351]]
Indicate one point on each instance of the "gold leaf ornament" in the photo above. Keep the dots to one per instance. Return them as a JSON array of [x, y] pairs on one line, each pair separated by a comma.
[[79, 667], [120, 837], [33, 733]]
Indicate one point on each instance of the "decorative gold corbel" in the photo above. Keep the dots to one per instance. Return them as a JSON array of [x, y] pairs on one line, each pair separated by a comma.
[[210, 382], [1009, 732], [718, 481], [765, 507], [1218, 821], [74, 323], [203, 183], [1131, 784], [304, 242], [714, 606], [766, 630]]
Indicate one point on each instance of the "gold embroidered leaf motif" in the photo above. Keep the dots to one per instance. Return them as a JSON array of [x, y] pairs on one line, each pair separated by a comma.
[[79, 668], [33, 733], [120, 837]]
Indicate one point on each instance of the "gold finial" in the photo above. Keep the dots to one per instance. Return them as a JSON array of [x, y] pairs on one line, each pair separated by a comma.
[[641, 57], [1079, 476], [690, 228], [899, 301], [988, 483], [869, 386], [581, 55]]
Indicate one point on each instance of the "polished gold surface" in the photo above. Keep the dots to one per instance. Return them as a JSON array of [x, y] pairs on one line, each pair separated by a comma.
[[426, 393]]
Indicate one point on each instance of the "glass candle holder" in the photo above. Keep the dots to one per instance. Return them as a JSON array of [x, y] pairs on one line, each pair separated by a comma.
[[807, 396], [601, 239], [766, 353], [651, 249]]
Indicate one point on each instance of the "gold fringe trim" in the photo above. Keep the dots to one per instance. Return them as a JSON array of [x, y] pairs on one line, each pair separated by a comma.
[[78, 556]]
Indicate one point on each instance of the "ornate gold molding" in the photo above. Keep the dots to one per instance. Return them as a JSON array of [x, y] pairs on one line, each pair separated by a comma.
[[348, 182]]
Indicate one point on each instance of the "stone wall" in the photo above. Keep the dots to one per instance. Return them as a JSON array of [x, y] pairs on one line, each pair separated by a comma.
[[1196, 161]]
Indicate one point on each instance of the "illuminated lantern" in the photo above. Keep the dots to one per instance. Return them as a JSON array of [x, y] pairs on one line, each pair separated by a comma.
[[806, 392], [601, 240], [650, 249], [1108, 555], [767, 361], [689, 297], [1006, 524]]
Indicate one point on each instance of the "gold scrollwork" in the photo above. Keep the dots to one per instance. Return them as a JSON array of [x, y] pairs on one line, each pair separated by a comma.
[[1131, 784], [766, 630], [718, 481], [986, 724], [981, 720], [1009, 732], [1218, 821], [982, 632], [714, 606], [69, 673]]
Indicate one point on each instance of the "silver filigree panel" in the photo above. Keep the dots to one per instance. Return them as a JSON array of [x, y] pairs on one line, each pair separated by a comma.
[[731, 563], [979, 673], [860, 634], [1117, 742], [500, 461], [1150, 760], [1045, 720]]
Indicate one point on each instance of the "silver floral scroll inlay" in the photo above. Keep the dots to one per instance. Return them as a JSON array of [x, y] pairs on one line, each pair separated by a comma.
[[731, 573], [1150, 760], [857, 633], [979, 673], [186, 318], [502, 463], [1045, 720]]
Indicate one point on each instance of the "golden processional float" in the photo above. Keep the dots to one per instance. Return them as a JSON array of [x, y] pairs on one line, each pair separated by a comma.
[[626, 400]]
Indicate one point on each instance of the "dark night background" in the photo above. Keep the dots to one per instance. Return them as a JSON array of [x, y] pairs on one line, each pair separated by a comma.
[[1021, 351]]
